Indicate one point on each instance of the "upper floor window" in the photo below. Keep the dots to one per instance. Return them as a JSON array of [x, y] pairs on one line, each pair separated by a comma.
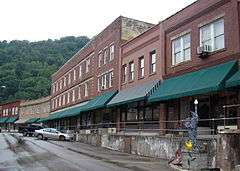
[[153, 58], [87, 65], [141, 67], [111, 79], [86, 90], [131, 71], [105, 55], [100, 56], [80, 71], [73, 95], [59, 101], [63, 102], [64, 81], [56, 103], [181, 49], [212, 35], [74, 74], [69, 78], [60, 84], [13, 111], [68, 97], [111, 52], [56, 86], [52, 104], [124, 73], [79, 92]]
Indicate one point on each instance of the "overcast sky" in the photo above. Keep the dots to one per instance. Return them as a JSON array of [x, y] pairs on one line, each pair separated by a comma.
[[42, 19]]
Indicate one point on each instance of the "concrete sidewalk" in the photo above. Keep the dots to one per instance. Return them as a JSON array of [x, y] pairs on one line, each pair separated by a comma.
[[115, 157]]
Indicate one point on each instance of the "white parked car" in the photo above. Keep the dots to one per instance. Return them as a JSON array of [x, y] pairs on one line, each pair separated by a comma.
[[52, 133]]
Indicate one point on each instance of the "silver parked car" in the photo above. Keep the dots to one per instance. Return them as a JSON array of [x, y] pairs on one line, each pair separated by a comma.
[[52, 133]]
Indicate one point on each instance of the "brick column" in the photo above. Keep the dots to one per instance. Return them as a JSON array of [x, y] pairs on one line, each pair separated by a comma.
[[118, 126], [162, 117]]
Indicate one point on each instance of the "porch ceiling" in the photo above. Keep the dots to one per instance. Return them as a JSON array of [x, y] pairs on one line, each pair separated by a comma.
[[203, 81]]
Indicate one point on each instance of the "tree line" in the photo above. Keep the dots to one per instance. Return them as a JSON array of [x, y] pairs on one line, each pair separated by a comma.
[[26, 67]]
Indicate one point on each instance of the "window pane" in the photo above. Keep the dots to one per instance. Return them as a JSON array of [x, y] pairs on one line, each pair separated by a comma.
[[186, 41], [218, 27], [219, 42], [177, 45], [153, 58], [206, 33], [148, 113], [178, 57], [154, 68], [132, 114]]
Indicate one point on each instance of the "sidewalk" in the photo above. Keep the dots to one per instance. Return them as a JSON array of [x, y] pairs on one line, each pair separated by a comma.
[[131, 161]]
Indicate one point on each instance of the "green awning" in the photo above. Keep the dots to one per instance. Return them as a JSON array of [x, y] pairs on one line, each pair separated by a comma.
[[133, 94], [66, 112], [203, 81], [3, 120], [32, 120], [12, 119], [234, 81], [99, 101]]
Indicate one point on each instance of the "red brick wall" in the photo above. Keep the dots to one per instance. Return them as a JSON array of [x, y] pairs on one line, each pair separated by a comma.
[[138, 47], [189, 19], [10, 106]]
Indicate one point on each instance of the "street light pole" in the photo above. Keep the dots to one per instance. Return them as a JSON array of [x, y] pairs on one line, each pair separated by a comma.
[[196, 105]]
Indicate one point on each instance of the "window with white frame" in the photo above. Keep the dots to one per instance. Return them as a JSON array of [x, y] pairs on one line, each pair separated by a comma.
[[111, 57], [87, 65], [181, 49], [64, 81], [68, 97], [74, 74], [60, 85], [100, 58], [131, 71], [79, 92], [85, 89], [53, 104], [212, 35], [13, 111], [80, 71], [99, 84], [141, 67], [111, 79], [105, 55], [153, 58], [63, 101], [124, 73], [69, 78], [73, 95], [60, 101]]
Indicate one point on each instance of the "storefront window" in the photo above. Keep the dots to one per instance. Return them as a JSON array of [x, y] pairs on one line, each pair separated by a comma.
[[132, 114], [156, 112], [148, 114]]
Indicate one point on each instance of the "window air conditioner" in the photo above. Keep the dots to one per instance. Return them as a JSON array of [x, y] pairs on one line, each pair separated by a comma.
[[203, 51]]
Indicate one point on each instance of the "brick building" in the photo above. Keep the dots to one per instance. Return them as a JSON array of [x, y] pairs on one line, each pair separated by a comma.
[[158, 70], [93, 70], [33, 110], [9, 113]]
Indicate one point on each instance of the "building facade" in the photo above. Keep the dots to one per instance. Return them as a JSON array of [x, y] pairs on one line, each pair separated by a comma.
[[33, 110], [9, 114], [158, 71]]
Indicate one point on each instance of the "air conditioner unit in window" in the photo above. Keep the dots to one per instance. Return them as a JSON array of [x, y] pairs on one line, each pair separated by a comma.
[[203, 51]]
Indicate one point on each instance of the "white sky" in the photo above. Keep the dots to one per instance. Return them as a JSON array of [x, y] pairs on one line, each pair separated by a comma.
[[42, 19]]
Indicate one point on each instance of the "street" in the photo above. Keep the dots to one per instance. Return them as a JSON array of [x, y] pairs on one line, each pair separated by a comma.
[[38, 155]]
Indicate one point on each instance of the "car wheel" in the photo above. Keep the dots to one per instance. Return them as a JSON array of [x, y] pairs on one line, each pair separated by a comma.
[[45, 138], [62, 138], [40, 136]]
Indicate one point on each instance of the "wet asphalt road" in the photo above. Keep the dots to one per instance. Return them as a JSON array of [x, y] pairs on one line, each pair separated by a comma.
[[38, 155]]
